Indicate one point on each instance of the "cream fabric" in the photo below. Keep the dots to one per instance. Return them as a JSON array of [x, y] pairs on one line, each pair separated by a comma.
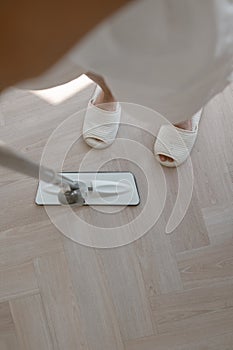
[[170, 55], [60, 73]]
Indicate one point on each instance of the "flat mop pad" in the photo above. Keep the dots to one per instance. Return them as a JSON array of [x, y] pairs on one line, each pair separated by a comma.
[[102, 188]]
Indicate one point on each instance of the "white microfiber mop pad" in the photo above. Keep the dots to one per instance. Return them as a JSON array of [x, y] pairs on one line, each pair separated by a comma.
[[176, 143], [100, 126]]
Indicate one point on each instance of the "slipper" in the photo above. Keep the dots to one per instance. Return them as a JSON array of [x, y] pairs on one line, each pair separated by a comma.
[[176, 143], [100, 126]]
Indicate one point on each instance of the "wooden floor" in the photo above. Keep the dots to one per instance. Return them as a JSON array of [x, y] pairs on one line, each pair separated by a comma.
[[162, 292]]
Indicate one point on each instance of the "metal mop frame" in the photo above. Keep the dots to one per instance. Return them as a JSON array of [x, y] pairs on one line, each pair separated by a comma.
[[109, 188]]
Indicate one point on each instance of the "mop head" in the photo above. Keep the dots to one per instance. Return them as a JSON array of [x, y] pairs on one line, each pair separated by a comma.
[[102, 188]]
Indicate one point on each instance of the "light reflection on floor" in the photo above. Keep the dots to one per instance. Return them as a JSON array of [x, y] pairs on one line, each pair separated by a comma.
[[60, 93]]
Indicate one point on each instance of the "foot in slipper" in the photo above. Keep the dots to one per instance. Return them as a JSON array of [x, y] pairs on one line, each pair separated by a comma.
[[101, 121], [174, 143]]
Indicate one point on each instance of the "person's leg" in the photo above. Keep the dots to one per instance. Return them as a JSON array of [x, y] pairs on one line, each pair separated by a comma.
[[105, 100]]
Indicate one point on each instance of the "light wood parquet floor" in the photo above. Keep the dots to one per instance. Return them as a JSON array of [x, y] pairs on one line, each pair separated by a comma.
[[162, 292]]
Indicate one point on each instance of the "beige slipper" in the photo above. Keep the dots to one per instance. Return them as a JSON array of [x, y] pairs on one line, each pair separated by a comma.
[[100, 126], [176, 143]]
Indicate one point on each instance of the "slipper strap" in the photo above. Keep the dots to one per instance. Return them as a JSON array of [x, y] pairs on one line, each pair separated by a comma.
[[176, 143]]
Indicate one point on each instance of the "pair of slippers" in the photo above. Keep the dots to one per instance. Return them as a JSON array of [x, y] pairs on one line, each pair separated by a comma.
[[101, 126]]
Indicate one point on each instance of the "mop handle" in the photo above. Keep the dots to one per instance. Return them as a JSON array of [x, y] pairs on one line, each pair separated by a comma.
[[14, 160]]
